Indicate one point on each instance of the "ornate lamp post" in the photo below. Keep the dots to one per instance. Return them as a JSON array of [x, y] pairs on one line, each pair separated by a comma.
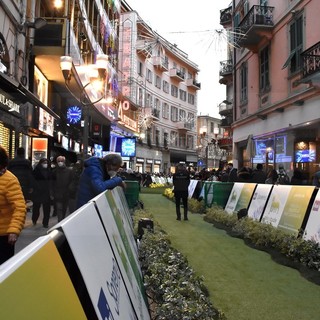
[[98, 76]]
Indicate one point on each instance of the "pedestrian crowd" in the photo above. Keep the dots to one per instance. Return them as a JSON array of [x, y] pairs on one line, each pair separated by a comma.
[[58, 188]]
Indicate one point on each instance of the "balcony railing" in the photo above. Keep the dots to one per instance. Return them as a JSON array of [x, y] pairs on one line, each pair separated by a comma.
[[226, 16], [226, 122], [161, 63], [311, 62], [57, 38], [225, 109], [193, 83], [176, 74], [259, 18], [226, 67], [155, 112]]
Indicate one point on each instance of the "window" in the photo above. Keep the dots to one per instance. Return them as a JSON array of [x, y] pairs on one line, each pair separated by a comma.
[[191, 98], [190, 120], [140, 68], [140, 96], [296, 44], [148, 100], [174, 114], [190, 144], [165, 110], [264, 70], [174, 91], [149, 75], [182, 95], [165, 86], [182, 115], [157, 82], [244, 83]]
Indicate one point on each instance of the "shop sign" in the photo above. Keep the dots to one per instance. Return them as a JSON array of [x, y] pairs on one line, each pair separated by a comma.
[[9, 103], [124, 119], [157, 161], [149, 161], [141, 160]]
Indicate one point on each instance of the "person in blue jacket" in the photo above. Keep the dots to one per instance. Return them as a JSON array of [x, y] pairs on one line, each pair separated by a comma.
[[99, 175]]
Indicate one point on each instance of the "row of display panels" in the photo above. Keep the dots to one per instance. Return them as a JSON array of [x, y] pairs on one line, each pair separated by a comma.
[[286, 207], [85, 268]]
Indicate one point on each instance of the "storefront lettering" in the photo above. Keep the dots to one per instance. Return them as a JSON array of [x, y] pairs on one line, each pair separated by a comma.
[[9, 103]]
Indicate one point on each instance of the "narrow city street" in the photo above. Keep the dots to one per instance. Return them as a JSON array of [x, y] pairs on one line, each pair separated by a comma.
[[31, 232]]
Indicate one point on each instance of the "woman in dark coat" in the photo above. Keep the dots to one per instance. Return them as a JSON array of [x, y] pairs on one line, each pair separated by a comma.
[[42, 192]]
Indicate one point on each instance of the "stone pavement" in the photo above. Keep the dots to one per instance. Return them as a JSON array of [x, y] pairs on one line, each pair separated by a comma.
[[31, 232]]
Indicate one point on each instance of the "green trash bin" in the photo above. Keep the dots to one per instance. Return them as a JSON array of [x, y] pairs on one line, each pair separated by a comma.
[[216, 192], [131, 193]]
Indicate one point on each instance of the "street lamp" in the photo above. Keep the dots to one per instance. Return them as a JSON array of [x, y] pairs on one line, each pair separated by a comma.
[[98, 76]]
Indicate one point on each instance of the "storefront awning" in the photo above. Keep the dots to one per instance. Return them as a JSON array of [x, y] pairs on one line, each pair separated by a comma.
[[19, 94]]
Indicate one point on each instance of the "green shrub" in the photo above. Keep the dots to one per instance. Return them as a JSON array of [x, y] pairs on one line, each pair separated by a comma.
[[175, 292], [295, 248]]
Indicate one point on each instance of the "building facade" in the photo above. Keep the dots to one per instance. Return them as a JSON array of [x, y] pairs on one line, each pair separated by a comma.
[[210, 134], [274, 83], [159, 85]]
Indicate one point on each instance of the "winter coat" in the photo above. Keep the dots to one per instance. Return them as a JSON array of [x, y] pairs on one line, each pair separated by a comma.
[[61, 179], [181, 180], [22, 169], [42, 186], [12, 205], [94, 180]]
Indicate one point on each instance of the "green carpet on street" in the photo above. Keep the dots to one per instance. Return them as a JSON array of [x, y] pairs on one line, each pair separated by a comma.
[[244, 283]]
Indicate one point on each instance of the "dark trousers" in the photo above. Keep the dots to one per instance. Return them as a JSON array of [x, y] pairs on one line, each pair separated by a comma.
[[46, 212], [46, 207], [61, 208], [181, 196], [6, 249]]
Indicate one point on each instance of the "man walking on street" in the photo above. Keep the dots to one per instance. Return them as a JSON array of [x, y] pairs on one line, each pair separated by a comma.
[[181, 180]]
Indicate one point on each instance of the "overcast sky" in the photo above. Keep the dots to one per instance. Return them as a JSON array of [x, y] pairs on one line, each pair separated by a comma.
[[192, 26]]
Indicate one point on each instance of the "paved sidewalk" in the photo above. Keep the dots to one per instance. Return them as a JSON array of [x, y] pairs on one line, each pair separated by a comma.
[[31, 232]]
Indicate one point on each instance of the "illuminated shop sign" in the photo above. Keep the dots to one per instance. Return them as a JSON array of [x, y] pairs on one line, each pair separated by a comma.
[[12, 106]]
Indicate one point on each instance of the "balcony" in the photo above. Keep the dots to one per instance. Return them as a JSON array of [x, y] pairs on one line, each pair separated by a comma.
[[225, 108], [226, 69], [176, 74], [311, 63], [160, 63], [192, 83], [184, 126], [226, 122], [143, 48], [226, 16], [256, 25], [155, 113]]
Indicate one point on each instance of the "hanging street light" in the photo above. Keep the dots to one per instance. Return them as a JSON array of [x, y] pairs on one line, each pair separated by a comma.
[[98, 75]]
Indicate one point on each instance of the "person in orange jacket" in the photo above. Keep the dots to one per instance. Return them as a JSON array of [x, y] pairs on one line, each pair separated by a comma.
[[12, 209]]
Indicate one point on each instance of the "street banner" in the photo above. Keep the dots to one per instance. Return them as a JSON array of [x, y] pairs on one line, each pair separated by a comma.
[[192, 187], [124, 249], [99, 267], [295, 208], [34, 284], [259, 201], [312, 230], [276, 204], [240, 196]]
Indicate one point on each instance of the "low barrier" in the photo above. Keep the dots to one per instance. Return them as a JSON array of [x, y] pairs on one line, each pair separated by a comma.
[[290, 208], [87, 267]]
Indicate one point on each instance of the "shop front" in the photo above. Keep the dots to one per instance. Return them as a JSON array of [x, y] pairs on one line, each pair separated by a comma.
[[139, 165], [157, 166]]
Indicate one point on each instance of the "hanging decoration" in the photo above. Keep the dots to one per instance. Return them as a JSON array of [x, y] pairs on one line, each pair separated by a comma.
[[145, 119]]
